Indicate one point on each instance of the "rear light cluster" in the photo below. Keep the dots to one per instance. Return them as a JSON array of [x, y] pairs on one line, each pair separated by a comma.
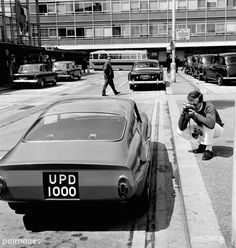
[[3, 187], [123, 187]]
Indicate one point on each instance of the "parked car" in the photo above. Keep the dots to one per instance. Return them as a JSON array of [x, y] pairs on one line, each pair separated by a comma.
[[67, 69], [204, 62], [39, 74], [222, 69], [145, 72], [80, 149]]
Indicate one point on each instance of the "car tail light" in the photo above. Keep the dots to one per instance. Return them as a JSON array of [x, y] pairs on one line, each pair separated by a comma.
[[123, 187], [3, 187]]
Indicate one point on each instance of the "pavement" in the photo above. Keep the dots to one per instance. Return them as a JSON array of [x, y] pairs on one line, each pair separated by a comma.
[[202, 228]]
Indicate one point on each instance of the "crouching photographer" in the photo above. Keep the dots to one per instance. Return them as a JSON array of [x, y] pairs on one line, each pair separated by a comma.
[[200, 122]]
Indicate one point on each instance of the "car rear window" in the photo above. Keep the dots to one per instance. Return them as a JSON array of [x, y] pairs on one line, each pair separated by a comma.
[[78, 126], [207, 59], [145, 65], [29, 68]]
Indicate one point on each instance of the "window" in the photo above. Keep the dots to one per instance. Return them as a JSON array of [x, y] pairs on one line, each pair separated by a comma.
[[143, 29], [153, 30], [116, 31], [231, 3], [135, 6], [125, 6], [107, 31], [200, 28], [163, 5], [192, 4], [98, 32], [32, 8], [211, 3], [211, 28], [88, 32], [80, 32], [44, 32], [97, 6], [162, 30], [62, 32], [116, 7], [231, 27], [135, 30], [88, 7], [220, 28], [192, 28], [143, 5], [106, 7], [201, 4], [51, 8], [64, 8], [221, 3], [52, 32], [43, 9], [125, 30], [70, 32], [79, 7], [182, 4], [153, 5]]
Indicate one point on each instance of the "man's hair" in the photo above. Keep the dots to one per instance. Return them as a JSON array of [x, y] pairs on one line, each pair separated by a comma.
[[195, 95]]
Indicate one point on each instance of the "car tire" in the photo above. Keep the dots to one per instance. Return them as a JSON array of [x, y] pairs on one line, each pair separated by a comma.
[[205, 78], [54, 82], [41, 84], [219, 80], [19, 208]]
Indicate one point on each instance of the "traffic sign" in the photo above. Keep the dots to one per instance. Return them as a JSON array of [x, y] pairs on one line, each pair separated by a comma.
[[183, 34]]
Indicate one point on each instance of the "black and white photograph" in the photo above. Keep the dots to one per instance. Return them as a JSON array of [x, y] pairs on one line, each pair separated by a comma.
[[117, 124]]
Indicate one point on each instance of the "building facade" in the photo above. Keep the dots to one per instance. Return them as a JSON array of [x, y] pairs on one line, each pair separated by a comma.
[[142, 24]]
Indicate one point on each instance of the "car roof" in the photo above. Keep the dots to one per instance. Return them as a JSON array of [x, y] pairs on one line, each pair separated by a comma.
[[62, 62], [208, 54], [146, 60], [35, 64], [227, 54], [109, 105]]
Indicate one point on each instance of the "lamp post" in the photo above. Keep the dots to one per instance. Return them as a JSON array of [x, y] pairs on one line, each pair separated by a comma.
[[173, 65]]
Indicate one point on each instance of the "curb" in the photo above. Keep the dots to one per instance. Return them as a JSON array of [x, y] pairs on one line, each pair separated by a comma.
[[202, 226]]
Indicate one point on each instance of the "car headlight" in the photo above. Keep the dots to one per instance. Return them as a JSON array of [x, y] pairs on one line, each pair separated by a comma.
[[123, 187], [3, 187]]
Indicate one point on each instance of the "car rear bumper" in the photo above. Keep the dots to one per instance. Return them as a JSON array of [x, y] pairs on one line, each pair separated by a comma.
[[146, 82], [229, 78], [32, 81]]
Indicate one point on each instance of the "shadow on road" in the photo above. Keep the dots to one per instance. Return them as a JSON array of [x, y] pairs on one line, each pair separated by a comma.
[[110, 216]]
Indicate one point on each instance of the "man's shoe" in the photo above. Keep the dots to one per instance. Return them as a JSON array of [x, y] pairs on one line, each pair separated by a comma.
[[201, 148], [207, 155], [117, 93], [104, 95]]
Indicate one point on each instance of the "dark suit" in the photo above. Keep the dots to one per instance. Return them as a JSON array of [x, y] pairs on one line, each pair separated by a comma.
[[108, 76]]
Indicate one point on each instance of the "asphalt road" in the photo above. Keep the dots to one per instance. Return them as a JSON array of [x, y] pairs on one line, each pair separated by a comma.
[[102, 226]]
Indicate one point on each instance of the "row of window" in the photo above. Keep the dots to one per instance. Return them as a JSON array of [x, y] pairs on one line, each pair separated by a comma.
[[69, 7], [138, 30]]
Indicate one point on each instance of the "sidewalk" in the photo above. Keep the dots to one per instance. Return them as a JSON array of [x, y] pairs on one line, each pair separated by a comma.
[[201, 223]]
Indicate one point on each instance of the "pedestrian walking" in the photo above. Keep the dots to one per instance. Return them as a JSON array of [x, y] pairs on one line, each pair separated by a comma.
[[108, 76], [177, 62], [200, 122]]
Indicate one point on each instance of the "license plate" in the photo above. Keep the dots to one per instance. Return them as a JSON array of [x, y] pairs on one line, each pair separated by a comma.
[[144, 76], [61, 185]]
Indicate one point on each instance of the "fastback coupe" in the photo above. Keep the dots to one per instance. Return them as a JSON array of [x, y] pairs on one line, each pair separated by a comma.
[[145, 72], [39, 74], [67, 70], [80, 149]]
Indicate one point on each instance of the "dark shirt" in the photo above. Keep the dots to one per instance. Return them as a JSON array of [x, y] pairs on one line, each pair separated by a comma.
[[207, 116], [108, 70]]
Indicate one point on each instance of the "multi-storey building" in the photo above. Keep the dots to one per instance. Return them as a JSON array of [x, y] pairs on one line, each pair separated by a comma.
[[141, 24]]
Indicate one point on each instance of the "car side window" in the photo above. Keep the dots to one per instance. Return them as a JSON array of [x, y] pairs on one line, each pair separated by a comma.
[[221, 61]]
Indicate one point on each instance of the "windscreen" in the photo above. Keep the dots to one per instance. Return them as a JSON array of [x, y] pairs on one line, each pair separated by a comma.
[[146, 65], [78, 126], [29, 68]]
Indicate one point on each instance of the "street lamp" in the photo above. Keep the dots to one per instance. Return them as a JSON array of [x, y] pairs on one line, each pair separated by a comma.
[[173, 65]]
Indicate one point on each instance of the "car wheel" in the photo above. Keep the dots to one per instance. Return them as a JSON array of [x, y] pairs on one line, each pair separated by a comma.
[[41, 84], [219, 80], [54, 82], [19, 208], [205, 78]]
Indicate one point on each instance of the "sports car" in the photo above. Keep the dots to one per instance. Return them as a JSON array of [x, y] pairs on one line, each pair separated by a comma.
[[80, 149], [145, 72]]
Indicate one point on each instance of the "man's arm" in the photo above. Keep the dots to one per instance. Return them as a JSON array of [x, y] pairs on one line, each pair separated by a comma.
[[210, 119], [183, 121]]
